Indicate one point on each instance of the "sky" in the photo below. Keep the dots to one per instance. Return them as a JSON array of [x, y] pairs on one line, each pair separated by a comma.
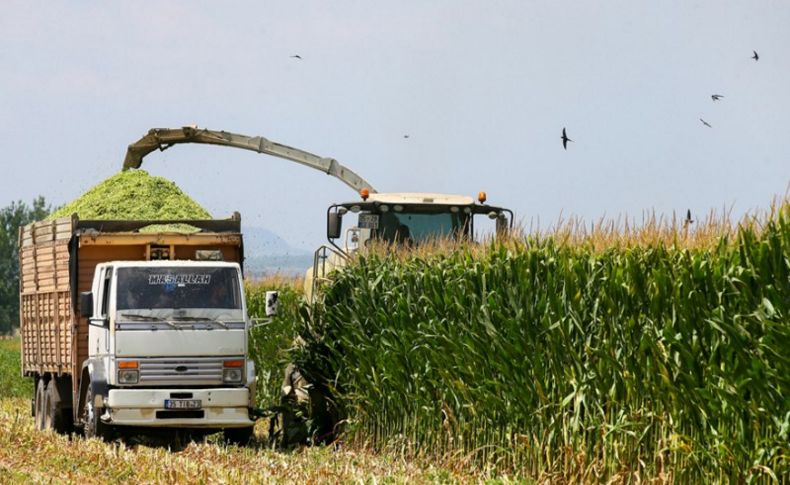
[[483, 90]]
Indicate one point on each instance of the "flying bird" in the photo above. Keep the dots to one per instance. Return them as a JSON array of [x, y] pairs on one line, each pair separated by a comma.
[[716, 97], [405, 136], [705, 123], [755, 56], [565, 139], [296, 56]]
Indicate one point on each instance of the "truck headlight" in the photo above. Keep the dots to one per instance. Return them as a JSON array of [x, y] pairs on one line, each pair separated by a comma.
[[232, 374], [232, 370], [128, 376]]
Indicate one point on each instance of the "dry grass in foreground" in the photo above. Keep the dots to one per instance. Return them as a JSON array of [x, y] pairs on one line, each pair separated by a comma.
[[30, 456]]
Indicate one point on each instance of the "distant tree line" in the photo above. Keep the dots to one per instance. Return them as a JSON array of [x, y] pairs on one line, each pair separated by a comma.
[[12, 218]]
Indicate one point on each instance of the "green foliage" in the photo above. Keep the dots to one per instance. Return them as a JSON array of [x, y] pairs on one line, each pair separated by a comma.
[[543, 358], [134, 195], [269, 342], [176, 227], [12, 218], [12, 384]]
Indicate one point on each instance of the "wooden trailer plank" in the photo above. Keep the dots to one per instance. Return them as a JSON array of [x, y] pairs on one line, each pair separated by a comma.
[[56, 309]]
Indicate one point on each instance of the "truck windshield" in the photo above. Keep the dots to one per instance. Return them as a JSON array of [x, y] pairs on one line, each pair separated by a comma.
[[178, 287], [419, 227]]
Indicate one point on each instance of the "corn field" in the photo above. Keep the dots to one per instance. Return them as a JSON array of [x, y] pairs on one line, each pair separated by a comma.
[[271, 339], [537, 356]]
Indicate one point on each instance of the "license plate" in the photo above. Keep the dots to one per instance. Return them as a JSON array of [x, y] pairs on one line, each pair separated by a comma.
[[182, 403], [369, 221]]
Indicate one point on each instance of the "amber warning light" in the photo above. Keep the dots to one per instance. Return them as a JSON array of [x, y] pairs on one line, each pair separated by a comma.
[[365, 193], [481, 196]]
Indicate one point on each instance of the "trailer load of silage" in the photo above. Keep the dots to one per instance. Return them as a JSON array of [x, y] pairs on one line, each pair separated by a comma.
[[136, 195]]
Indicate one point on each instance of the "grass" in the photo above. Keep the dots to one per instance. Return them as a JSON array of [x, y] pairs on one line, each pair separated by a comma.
[[11, 382], [271, 340], [31, 456]]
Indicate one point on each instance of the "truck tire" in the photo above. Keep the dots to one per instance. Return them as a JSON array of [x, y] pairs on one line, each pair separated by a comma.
[[55, 416], [46, 406], [39, 404], [94, 427], [238, 436]]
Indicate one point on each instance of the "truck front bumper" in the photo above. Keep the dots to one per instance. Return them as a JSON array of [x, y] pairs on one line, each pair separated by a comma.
[[220, 408]]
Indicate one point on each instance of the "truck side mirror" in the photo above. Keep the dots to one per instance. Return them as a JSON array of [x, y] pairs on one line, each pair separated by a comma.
[[333, 223], [86, 304], [272, 301]]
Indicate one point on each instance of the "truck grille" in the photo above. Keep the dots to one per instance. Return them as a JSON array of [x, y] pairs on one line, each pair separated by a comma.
[[181, 371]]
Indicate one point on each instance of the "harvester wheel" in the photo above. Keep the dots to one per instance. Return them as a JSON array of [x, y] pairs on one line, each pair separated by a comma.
[[307, 414], [274, 438]]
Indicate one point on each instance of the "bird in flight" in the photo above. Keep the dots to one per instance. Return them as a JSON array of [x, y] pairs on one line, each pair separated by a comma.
[[565, 139], [705, 123], [296, 56], [405, 136], [755, 56], [716, 97]]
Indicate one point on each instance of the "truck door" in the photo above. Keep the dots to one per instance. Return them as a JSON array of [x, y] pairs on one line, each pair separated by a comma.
[[99, 330]]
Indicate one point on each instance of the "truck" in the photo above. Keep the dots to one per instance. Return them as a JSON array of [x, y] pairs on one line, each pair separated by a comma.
[[125, 330]]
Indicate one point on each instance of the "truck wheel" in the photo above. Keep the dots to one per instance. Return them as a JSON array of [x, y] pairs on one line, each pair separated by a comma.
[[39, 404], [46, 406], [238, 436], [94, 428], [54, 415]]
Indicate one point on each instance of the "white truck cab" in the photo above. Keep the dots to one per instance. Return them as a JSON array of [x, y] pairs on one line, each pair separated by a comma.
[[167, 347]]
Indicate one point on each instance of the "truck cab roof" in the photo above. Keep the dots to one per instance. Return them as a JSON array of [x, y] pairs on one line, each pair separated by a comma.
[[171, 263]]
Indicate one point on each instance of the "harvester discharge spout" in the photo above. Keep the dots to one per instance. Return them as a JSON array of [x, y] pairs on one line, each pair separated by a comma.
[[163, 138]]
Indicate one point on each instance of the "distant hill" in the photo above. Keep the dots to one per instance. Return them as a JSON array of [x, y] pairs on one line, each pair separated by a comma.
[[259, 241], [266, 253]]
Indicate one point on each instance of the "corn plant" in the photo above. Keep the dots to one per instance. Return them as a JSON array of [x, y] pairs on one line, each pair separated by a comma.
[[270, 340], [648, 356]]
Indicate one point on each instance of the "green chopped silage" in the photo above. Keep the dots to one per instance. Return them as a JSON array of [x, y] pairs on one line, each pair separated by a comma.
[[134, 195], [177, 227]]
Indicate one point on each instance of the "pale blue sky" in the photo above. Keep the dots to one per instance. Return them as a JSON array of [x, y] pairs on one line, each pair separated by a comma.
[[482, 88]]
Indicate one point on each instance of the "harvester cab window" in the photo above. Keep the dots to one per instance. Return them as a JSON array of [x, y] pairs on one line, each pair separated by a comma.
[[420, 227]]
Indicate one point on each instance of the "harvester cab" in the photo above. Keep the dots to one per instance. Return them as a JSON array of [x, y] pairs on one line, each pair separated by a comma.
[[400, 219]]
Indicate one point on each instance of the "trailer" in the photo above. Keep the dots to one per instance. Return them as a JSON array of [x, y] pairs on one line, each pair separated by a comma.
[[102, 364]]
